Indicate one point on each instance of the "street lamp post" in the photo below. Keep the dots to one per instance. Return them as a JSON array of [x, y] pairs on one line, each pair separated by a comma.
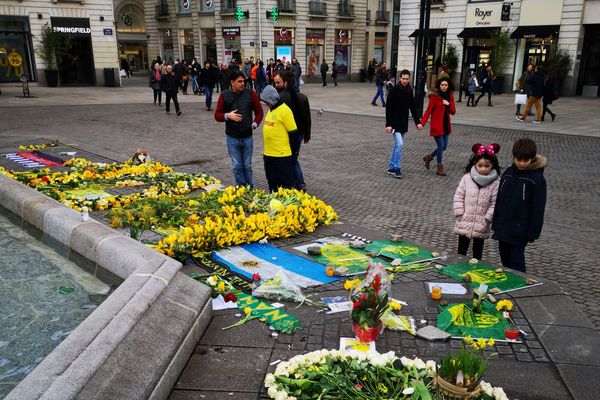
[[422, 49]]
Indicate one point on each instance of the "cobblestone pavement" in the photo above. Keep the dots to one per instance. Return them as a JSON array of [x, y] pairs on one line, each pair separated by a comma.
[[345, 165]]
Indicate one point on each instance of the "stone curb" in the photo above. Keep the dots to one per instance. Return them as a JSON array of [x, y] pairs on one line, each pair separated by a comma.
[[148, 276]]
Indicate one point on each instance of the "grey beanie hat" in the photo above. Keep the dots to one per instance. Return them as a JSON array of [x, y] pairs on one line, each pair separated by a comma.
[[269, 95]]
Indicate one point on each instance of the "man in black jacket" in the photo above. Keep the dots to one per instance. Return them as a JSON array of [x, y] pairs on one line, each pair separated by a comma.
[[208, 80], [536, 91], [170, 84], [298, 103], [400, 100]]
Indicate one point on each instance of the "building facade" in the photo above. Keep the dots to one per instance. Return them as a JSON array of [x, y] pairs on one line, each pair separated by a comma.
[[537, 28], [311, 31], [86, 26]]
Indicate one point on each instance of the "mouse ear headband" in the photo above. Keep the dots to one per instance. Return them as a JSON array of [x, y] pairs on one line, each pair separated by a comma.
[[479, 149]]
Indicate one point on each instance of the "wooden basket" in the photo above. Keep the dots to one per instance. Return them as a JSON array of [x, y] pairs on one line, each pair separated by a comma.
[[451, 391]]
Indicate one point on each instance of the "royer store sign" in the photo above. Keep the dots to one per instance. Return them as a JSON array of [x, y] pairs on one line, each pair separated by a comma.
[[484, 15], [71, 26]]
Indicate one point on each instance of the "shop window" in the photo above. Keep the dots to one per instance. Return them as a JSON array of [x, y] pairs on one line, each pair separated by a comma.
[[184, 6], [130, 18]]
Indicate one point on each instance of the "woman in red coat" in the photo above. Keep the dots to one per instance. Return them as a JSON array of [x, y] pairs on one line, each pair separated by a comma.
[[441, 106]]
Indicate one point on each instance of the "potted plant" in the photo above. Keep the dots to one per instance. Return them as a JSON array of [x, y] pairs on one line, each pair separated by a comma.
[[369, 302], [501, 55], [560, 64], [459, 375], [49, 48], [451, 59]]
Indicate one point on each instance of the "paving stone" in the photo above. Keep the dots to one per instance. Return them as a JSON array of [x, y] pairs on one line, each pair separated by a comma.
[[552, 310], [570, 344], [582, 380]]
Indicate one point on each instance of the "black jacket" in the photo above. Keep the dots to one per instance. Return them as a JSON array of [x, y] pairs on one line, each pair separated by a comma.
[[380, 76], [169, 83], [300, 107], [519, 213], [399, 101], [208, 77], [536, 84]]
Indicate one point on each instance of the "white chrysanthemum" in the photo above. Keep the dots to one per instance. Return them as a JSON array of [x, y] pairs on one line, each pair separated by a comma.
[[407, 362], [499, 394], [272, 392], [420, 364], [269, 380], [281, 396], [487, 388]]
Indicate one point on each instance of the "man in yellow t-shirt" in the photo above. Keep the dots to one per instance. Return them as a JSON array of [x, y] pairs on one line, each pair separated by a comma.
[[279, 124]]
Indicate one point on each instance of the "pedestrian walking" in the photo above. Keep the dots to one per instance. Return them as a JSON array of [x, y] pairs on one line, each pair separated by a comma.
[[235, 107], [334, 73], [371, 69], [224, 77], [270, 70], [550, 94], [536, 90], [194, 69], [520, 204], [472, 86], [185, 77], [155, 77], [475, 199], [261, 78], [487, 78], [208, 79], [522, 84], [297, 71], [380, 79], [441, 106], [278, 130], [324, 69], [169, 83], [299, 104], [465, 74], [400, 102]]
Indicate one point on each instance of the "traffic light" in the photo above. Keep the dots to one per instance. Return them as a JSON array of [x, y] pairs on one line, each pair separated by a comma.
[[239, 13], [274, 14]]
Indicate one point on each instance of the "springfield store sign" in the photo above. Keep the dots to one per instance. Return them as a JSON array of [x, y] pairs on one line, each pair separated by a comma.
[[484, 15], [71, 26]]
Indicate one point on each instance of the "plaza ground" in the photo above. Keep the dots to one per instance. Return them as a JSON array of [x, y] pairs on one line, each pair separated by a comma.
[[345, 165]]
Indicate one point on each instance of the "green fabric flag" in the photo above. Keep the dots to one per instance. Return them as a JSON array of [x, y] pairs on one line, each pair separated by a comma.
[[407, 252], [340, 255], [459, 320], [275, 317], [482, 273]]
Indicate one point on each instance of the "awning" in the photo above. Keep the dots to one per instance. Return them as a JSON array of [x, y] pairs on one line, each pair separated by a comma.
[[432, 33], [537, 31], [479, 33]]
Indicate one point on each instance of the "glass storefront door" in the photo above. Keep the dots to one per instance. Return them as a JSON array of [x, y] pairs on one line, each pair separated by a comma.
[[16, 52]]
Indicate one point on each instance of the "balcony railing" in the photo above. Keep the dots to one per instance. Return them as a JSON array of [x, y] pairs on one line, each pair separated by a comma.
[[383, 17], [286, 6], [228, 6], [345, 9], [161, 11], [316, 7]]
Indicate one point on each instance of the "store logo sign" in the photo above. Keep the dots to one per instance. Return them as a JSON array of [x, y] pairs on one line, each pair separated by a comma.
[[70, 29], [283, 32], [484, 15]]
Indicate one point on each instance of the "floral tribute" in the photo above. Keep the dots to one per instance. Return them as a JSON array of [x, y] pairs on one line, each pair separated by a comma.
[[69, 186], [239, 215], [370, 301], [356, 375]]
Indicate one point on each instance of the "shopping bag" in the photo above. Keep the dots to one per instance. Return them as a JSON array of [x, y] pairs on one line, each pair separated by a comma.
[[301, 82], [122, 73], [520, 98]]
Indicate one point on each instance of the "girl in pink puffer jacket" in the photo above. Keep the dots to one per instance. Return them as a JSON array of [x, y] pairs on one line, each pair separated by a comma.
[[475, 198]]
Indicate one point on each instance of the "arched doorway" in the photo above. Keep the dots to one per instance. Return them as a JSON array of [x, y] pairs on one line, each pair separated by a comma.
[[131, 36]]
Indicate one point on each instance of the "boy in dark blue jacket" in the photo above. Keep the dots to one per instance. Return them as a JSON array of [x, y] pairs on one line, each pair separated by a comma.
[[519, 213]]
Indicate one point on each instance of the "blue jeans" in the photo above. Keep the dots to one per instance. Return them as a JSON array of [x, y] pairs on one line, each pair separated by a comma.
[[195, 85], [512, 256], [379, 94], [442, 144], [208, 93], [396, 156], [240, 152]]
